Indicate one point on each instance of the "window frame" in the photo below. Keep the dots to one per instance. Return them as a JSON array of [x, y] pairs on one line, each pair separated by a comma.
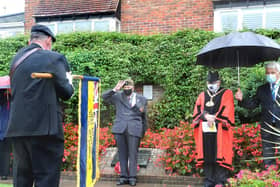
[[241, 11], [112, 24]]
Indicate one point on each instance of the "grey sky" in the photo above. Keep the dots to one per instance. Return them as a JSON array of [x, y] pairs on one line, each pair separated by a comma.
[[11, 6]]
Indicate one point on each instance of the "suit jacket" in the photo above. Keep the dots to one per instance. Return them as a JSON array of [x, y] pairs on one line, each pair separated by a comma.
[[264, 98], [127, 117], [35, 103]]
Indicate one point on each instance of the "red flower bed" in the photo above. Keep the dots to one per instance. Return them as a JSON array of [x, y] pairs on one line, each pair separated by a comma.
[[70, 147], [178, 144], [247, 147]]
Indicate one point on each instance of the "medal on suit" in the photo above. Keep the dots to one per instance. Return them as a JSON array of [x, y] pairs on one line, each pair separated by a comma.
[[211, 103]]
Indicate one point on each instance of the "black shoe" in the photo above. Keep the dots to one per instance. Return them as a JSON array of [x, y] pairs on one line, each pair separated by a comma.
[[4, 178], [122, 181], [132, 181]]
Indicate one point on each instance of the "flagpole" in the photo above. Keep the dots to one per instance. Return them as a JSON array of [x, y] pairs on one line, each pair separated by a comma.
[[49, 76]]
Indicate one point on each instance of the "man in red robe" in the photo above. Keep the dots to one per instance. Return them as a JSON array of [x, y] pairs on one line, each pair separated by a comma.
[[213, 119]]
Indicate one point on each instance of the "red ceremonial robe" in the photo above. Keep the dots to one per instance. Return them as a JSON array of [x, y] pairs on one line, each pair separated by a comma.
[[225, 120]]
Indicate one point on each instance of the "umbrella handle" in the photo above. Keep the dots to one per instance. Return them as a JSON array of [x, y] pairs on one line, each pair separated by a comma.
[[238, 68], [49, 76]]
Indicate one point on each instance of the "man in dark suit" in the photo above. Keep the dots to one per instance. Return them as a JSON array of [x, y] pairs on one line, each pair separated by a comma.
[[35, 123], [268, 97], [129, 126]]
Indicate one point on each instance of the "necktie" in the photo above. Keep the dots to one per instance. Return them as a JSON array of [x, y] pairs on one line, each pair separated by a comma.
[[273, 90], [129, 100], [273, 87]]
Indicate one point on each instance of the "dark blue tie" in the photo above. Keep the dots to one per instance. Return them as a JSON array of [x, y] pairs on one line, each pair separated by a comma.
[[273, 90], [273, 87]]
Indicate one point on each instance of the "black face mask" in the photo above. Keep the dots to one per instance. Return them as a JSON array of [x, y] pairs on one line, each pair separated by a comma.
[[127, 92]]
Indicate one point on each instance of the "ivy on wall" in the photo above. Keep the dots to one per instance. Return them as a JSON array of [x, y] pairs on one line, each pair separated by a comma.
[[165, 60]]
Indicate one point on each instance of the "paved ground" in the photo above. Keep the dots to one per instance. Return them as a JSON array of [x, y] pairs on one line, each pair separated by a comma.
[[111, 184], [72, 183], [152, 176]]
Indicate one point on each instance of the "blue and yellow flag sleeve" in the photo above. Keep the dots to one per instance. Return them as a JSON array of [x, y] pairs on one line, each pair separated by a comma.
[[89, 117]]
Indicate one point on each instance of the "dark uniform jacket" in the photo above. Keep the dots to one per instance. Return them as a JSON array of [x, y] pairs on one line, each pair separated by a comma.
[[35, 107], [264, 98], [127, 117]]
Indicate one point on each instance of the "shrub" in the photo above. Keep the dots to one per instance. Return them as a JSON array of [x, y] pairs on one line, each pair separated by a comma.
[[165, 60], [247, 178]]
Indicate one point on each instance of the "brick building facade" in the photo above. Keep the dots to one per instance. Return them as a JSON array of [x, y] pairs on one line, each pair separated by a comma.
[[165, 16], [29, 12], [149, 16]]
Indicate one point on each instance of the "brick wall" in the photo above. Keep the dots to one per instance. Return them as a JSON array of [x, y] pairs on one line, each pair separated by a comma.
[[29, 10], [165, 16]]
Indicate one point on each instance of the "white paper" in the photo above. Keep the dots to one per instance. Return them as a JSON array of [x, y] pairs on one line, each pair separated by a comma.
[[206, 128], [148, 91]]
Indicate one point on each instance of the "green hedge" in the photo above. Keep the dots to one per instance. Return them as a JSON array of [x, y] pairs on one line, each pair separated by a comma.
[[165, 60]]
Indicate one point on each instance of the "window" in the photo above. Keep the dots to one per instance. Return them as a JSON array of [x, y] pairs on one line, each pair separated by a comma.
[[229, 20], [51, 27], [101, 25], [272, 19], [252, 18], [83, 26], [237, 18], [65, 27]]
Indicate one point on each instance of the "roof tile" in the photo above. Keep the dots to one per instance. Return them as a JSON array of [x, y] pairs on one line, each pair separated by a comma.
[[74, 7]]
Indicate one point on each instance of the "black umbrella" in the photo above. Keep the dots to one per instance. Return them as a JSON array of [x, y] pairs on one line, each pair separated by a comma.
[[238, 49]]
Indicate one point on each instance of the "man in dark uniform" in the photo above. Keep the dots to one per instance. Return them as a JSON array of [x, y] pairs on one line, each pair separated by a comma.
[[268, 98], [35, 123], [129, 126], [213, 118]]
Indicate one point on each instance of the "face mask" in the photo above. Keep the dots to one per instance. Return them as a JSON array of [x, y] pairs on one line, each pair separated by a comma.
[[271, 78], [213, 87], [127, 92]]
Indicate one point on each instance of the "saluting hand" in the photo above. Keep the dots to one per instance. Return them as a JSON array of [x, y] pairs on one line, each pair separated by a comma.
[[239, 95], [119, 85]]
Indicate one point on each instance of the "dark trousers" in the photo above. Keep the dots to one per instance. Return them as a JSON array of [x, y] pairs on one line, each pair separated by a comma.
[[128, 151], [269, 148], [5, 151], [215, 174], [37, 160]]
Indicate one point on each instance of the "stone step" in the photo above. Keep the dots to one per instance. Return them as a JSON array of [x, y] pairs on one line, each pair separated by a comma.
[[176, 180]]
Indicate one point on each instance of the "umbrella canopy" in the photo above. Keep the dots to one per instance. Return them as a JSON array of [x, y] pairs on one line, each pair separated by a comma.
[[238, 49], [5, 82]]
